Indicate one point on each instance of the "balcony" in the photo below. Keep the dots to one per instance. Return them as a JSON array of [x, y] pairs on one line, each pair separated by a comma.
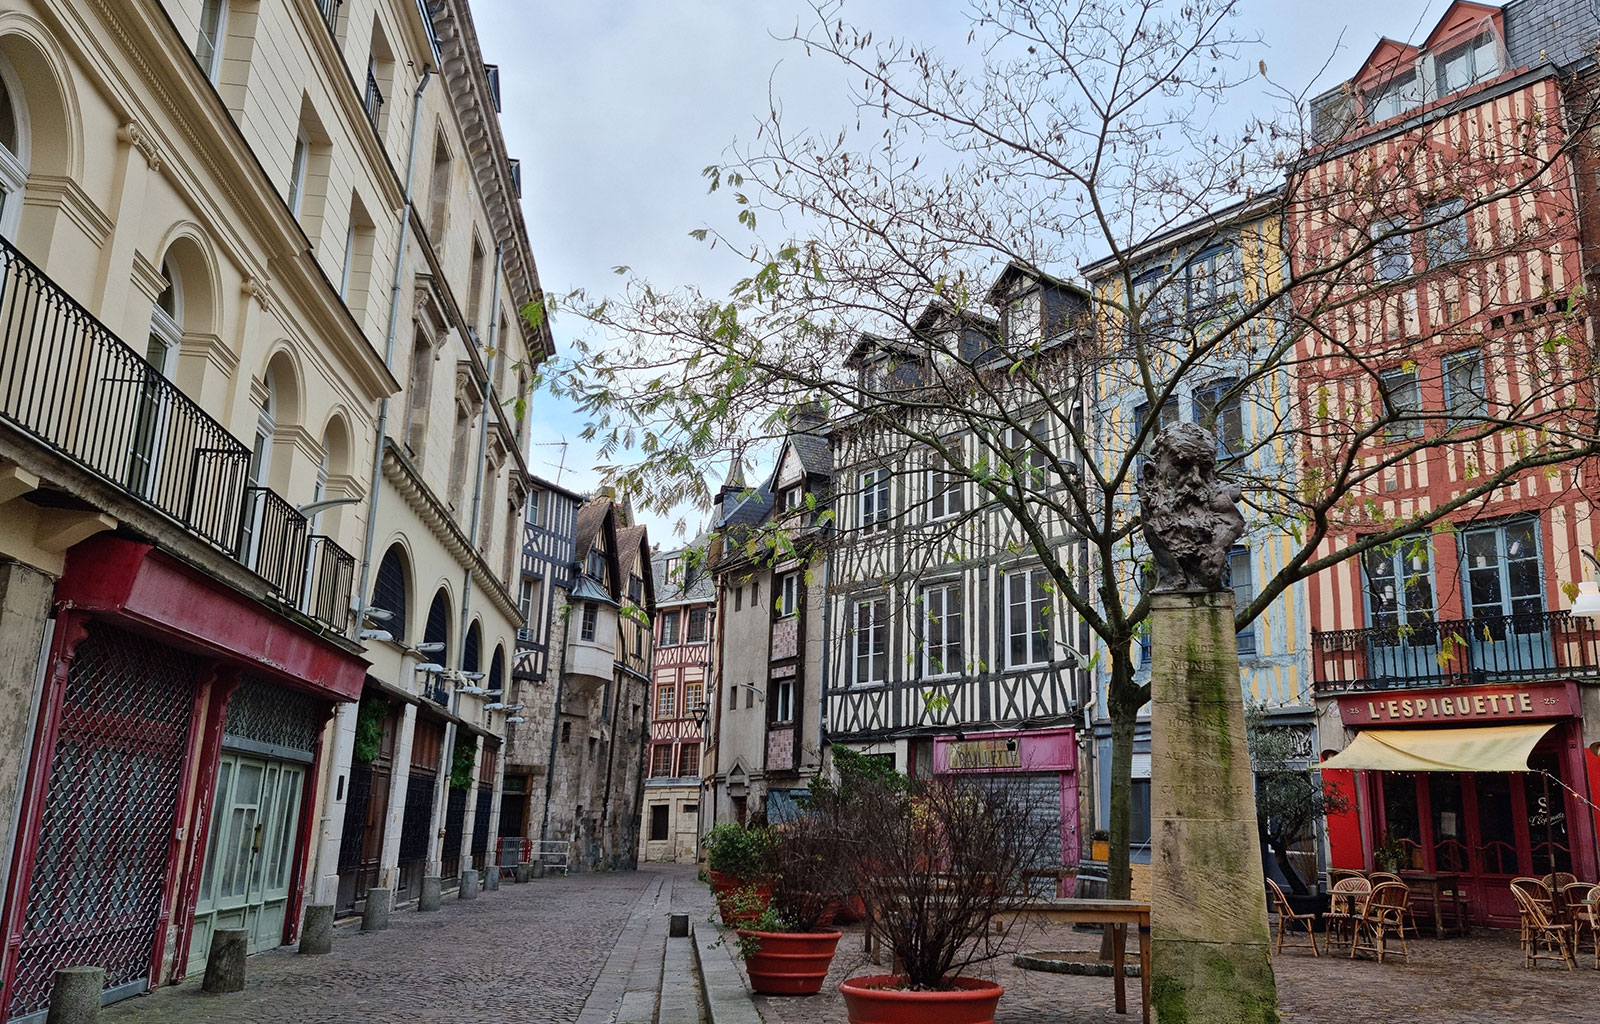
[[1458, 652], [73, 386]]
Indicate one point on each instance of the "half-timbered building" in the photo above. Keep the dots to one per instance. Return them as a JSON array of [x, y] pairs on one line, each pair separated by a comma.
[[682, 688], [1455, 638], [944, 634]]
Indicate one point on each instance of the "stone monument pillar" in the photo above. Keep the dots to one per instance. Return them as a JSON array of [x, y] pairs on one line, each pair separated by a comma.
[[1208, 907]]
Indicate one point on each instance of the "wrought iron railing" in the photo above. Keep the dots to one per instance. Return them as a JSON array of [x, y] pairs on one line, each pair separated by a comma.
[[78, 389], [372, 99], [329, 9], [1456, 652], [73, 385], [333, 573]]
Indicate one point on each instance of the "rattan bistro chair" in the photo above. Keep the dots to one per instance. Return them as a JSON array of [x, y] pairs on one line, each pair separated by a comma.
[[1559, 880], [1536, 891], [1409, 919], [1345, 900], [1288, 919], [1542, 939], [1382, 912], [1579, 902]]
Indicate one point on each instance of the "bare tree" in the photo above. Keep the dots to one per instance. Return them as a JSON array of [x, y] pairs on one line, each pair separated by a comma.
[[1091, 130]]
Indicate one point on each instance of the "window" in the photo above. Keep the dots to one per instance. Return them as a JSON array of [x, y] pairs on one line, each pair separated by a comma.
[[1029, 461], [669, 629], [439, 191], [1468, 64], [1147, 583], [1464, 396], [1446, 234], [945, 497], [667, 700], [297, 171], [788, 594], [593, 742], [689, 766], [699, 626], [596, 565], [871, 640], [635, 589], [372, 94], [1399, 94], [1212, 277], [674, 569], [591, 619], [389, 592], [13, 151], [1502, 567], [941, 629], [1242, 578], [738, 598], [733, 697], [208, 48], [792, 498], [694, 694], [1400, 592], [1027, 618], [658, 817], [1139, 812], [1391, 250], [661, 764], [1141, 413], [783, 700], [1219, 407], [525, 600], [534, 509], [566, 732], [1151, 308], [1402, 403], [874, 498]]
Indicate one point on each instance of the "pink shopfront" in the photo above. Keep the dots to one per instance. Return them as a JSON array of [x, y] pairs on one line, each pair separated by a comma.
[[1042, 761]]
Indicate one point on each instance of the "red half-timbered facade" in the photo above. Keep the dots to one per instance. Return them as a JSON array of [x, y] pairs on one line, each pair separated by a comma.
[[681, 698]]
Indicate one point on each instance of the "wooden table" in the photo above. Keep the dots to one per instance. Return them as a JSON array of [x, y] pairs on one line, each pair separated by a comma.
[[1116, 915], [1434, 884]]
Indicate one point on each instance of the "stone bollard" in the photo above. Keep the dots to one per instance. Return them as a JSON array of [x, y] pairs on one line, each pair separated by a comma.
[[316, 934], [428, 899], [225, 965], [538, 869], [678, 926], [491, 878], [469, 885], [524, 872], [75, 995], [375, 917]]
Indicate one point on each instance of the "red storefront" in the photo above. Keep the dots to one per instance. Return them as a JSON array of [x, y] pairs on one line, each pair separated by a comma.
[[1488, 782], [156, 675]]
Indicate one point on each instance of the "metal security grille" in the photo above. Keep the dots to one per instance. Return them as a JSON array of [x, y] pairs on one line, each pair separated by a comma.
[[273, 720], [480, 824], [419, 813], [455, 816], [355, 818], [95, 892], [389, 592]]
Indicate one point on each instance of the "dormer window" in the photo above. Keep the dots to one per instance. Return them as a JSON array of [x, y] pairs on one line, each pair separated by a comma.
[[1469, 63], [793, 498], [597, 565], [1394, 97]]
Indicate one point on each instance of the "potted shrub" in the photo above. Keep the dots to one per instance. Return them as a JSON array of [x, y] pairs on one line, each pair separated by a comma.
[[788, 948], [736, 861], [947, 856]]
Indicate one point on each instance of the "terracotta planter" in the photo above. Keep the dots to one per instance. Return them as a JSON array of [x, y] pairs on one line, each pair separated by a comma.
[[790, 963], [723, 886], [875, 999]]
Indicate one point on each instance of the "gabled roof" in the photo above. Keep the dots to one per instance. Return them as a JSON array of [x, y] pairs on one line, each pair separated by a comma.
[[747, 508], [630, 543], [592, 516], [586, 589], [701, 589], [813, 451], [1015, 269]]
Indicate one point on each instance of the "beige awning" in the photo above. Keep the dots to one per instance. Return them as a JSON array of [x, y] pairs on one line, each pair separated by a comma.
[[1484, 748]]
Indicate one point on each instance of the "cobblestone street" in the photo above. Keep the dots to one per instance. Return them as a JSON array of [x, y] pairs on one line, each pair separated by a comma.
[[527, 953]]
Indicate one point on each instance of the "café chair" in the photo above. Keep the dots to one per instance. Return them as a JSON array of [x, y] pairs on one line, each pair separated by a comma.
[[1378, 877], [1344, 909], [1382, 912], [1542, 939], [1287, 918]]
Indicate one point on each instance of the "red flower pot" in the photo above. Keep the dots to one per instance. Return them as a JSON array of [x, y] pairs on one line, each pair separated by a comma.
[[723, 886], [790, 963], [880, 999]]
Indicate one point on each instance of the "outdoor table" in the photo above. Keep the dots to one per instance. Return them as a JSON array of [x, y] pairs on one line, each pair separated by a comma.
[[1434, 884], [1116, 915]]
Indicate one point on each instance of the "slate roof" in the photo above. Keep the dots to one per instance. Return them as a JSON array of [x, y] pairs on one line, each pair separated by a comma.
[[814, 452], [591, 517], [670, 592], [747, 511]]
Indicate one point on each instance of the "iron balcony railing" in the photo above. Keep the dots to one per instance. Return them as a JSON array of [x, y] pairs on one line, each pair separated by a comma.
[[329, 9], [372, 99], [1456, 652], [73, 386]]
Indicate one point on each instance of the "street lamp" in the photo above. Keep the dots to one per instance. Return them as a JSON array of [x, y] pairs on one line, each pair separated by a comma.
[[701, 713], [1587, 604]]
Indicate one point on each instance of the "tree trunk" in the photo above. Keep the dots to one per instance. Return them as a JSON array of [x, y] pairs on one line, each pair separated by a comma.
[[1122, 704]]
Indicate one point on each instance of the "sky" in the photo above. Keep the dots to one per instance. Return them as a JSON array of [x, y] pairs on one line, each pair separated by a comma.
[[615, 106]]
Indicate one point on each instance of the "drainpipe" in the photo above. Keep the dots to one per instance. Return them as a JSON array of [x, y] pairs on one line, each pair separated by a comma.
[[388, 348]]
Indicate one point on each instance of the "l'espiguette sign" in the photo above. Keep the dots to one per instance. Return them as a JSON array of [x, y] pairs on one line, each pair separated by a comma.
[[1458, 705]]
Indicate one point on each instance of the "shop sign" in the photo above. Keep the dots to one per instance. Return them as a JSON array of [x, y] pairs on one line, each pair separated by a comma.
[[1474, 704], [974, 754]]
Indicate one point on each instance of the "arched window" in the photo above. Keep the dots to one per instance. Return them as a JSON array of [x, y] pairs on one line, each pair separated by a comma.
[[166, 323], [13, 151], [497, 673], [389, 592], [437, 628], [470, 651], [150, 414]]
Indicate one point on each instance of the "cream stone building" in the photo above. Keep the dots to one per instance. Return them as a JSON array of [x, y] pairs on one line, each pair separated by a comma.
[[261, 471]]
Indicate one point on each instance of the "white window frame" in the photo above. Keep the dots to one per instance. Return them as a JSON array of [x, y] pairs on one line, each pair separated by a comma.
[[688, 625], [946, 491], [942, 620], [783, 701], [676, 632], [589, 624], [1034, 606], [1471, 403], [877, 662], [788, 594], [13, 165], [218, 37], [297, 171], [349, 258], [874, 499], [1021, 451], [667, 700]]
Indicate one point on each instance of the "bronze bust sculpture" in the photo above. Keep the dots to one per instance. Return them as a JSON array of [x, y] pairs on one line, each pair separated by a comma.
[[1188, 515]]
